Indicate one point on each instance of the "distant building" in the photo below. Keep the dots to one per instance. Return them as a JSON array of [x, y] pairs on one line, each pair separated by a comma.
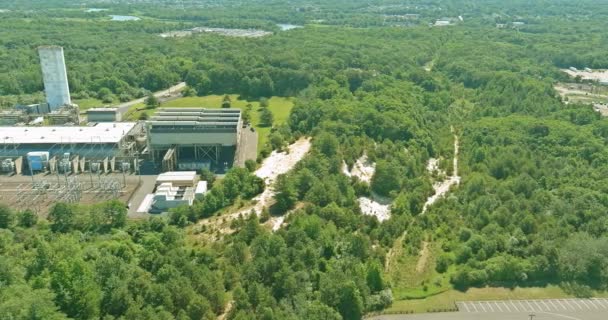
[[442, 23], [36, 109], [55, 76], [67, 114], [104, 115], [12, 117]]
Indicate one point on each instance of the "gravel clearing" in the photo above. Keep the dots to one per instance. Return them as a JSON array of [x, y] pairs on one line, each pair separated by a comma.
[[380, 208], [443, 187], [276, 164], [376, 206], [363, 169]]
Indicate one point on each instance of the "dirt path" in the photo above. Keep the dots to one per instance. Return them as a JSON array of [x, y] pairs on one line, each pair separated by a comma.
[[424, 256], [443, 187], [276, 164], [392, 252], [227, 310]]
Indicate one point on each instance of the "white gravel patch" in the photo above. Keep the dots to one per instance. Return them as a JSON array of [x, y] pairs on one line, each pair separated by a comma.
[[362, 169], [595, 75], [432, 165], [443, 187], [276, 164], [277, 223], [374, 207]]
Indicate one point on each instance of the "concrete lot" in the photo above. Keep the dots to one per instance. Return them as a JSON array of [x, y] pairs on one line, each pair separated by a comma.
[[248, 147], [549, 309], [146, 186]]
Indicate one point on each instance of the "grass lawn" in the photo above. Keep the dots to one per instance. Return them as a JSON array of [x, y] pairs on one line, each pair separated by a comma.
[[279, 106], [447, 299], [86, 104], [421, 289]]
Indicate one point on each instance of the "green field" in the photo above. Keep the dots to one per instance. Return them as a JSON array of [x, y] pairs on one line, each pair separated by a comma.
[[446, 300], [423, 289], [86, 104], [279, 106]]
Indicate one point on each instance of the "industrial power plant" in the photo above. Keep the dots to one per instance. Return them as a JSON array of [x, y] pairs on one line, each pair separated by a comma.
[[52, 145]]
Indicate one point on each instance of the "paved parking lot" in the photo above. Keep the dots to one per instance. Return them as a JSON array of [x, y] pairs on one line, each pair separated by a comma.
[[546, 309], [548, 305]]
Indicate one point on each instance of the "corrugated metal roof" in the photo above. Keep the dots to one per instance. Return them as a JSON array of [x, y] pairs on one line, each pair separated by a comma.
[[108, 132]]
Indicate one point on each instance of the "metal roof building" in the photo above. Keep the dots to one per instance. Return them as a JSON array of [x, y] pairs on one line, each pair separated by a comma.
[[191, 139], [100, 141], [104, 115]]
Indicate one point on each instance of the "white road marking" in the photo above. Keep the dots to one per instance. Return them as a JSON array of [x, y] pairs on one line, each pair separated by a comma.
[[563, 306], [535, 305], [601, 301], [464, 304], [484, 308], [530, 305], [553, 305], [546, 305], [474, 306], [576, 303], [489, 305], [514, 306], [498, 306], [593, 304], [561, 315], [584, 302]]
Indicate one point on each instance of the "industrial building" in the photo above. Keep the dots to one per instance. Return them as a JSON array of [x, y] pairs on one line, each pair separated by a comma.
[[68, 114], [55, 76], [192, 139], [103, 147], [104, 115], [173, 189]]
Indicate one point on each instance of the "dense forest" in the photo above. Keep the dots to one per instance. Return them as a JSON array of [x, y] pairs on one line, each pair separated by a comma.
[[531, 209]]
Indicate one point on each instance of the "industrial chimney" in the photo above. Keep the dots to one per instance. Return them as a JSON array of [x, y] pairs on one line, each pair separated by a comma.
[[55, 77]]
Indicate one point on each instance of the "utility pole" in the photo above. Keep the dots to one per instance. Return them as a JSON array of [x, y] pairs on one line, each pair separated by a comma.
[[532, 315], [29, 164]]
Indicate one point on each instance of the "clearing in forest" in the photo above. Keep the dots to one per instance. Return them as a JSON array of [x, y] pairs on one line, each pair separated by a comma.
[[276, 164], [443, 187], [377, 206]]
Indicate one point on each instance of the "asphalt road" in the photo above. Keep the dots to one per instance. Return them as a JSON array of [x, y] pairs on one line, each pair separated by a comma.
[[248, 147], [124, 107]]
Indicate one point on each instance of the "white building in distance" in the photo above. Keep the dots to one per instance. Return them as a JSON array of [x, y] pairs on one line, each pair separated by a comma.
[[55, 77]]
